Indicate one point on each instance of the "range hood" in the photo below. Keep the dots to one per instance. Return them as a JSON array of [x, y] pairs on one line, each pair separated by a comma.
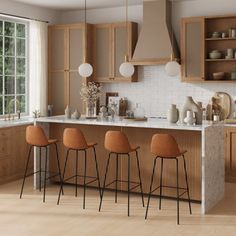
[[154, 44]]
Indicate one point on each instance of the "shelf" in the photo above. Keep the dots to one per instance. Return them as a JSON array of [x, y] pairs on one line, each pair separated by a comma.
[[220, 80], [219, 39], [220, 60]]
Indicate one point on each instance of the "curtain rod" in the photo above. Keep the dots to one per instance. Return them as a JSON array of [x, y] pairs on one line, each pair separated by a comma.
[[22, 17]]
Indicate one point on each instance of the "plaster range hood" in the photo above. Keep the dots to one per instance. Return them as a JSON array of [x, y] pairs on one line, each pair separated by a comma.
[[155, 39]]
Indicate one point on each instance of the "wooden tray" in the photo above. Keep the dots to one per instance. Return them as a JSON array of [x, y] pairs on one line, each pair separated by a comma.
[[136, 119]]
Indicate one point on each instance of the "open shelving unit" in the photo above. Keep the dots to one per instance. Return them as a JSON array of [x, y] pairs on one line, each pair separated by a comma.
[[219, 24]]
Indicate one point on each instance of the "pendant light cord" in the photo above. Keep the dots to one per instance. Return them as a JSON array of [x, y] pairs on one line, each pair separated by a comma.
[[85, 29], [172, 33], [126, 20]]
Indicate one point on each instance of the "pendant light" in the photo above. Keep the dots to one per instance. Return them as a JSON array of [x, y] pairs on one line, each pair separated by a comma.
[[172, 67], [85, 69], [126, 68]]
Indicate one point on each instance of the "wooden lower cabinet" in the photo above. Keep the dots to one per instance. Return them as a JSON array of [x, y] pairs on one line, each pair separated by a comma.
[[230, 153], [13, 153], [188, 140]]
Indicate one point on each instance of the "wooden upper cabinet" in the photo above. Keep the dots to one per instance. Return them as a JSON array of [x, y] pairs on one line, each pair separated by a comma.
[[110, 47], [66, 53], [192, 49]]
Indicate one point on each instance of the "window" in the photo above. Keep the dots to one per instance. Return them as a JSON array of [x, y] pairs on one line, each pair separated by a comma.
[[13, 67]]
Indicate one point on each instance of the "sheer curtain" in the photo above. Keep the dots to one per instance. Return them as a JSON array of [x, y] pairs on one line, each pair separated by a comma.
[[38, 73]]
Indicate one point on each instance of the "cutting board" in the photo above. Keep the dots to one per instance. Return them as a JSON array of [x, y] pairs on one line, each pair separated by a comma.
[[223, 101]]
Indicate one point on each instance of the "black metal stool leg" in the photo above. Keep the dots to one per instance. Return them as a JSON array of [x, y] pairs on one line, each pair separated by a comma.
[[58, 164], [63, 176], [76, 173], [117, 168], [85, 172], [177, 192], [26, 168], [45, 174], [104, 183], [128, 184], [186, 179], [161, 184], [96, 163], [150, 190], [40, 170], [139, 174]]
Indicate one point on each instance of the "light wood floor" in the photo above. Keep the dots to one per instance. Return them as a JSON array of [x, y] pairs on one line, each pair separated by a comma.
[[30, 216]]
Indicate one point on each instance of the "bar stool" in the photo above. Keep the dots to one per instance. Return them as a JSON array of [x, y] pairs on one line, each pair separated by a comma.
[[117, 143], [36, 137], [74, 140], [165, 147]]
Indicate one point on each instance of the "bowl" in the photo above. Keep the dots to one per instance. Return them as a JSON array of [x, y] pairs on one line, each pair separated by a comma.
[[218, 75], [216, 35], [215, 54]]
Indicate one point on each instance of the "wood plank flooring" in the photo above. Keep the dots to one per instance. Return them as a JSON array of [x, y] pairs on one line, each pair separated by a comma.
[[30, 216]]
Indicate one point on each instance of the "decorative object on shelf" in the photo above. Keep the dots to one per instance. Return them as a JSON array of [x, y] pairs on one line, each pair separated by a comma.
[[220, 104], [76, 114], [49, 112], [114, 102], [190, 105], [123, 105], [36, 113], [215, 54], [233, 74], [68, 112], [218, 75], [233, 34], [85, 69], [172, 67], [129, 114], [90, 94], [230, 53], [224, 35], [112, 110], [190, 119], [216, 35], [173, 114], [138, 111], [126, 68], [103, 113]]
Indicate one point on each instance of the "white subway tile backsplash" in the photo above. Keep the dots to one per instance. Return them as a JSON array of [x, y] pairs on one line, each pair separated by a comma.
[[155, 91]]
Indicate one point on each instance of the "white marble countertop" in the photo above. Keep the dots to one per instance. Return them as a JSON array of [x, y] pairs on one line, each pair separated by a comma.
[[150, 123], [16, 122]]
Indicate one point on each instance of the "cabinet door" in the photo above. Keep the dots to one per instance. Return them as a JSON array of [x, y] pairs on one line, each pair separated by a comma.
[[192, 49], [76, 54], [57, 68], [124, 41], [102, 53]]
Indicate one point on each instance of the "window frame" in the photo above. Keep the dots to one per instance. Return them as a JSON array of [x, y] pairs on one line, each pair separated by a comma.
[[26, 94]]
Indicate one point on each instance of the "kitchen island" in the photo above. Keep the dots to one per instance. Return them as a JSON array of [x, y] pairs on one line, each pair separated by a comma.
[[204, 143]]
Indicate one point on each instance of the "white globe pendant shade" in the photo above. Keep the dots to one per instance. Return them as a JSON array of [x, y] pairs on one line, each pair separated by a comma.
[[172, 68], [126, 69], [85, 70]]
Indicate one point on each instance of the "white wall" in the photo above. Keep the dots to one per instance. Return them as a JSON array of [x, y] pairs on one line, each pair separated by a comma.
[[155, 90], [26, 10]]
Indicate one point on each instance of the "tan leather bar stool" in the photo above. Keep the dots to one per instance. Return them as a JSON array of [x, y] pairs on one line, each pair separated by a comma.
[[117, 143], [74, 140], [36, 137], [165, 147]]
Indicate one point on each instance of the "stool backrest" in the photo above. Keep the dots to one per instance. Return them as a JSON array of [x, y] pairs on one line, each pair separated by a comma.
[[117, 142], [35, 136], [74, 138], [164, 145]]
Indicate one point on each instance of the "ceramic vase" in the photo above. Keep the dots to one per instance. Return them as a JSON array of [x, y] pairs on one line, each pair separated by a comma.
[[173, 114], [76, 115], [190, 105], [68, 112], [190, 119]]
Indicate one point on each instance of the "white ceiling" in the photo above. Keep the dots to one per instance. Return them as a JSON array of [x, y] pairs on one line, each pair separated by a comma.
[[78, 4]]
